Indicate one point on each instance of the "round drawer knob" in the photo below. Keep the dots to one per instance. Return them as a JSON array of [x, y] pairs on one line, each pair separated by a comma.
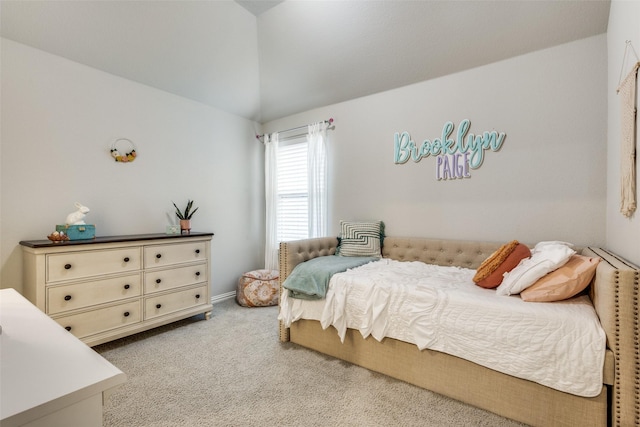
[[127, 286], [158, 305], [67, 266], [67, 297], [197, 296], [158, 280], [158, 256], [197, 251], [126, 314], [68, 328], [197, 273], [126, 259]]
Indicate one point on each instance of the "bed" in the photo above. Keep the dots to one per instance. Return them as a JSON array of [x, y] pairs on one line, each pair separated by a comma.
[[613, 294]]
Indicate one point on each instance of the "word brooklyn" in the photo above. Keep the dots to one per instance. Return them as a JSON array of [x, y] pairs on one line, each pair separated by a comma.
[[454, 158]]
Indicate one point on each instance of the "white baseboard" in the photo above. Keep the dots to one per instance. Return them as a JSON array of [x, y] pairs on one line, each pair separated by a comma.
[[223, 297]]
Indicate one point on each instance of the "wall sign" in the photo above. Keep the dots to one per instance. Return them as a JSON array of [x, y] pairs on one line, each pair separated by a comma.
[[454, 157]]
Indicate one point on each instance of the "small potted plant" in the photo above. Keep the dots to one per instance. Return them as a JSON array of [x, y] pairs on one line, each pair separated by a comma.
[[185, 216]]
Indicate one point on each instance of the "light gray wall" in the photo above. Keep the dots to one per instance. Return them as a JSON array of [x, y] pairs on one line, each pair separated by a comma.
[[623, 234], [548, 182], [59, 119]]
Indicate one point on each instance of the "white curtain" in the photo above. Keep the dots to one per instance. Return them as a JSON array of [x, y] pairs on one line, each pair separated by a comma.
[[317, 176], [271, 194]]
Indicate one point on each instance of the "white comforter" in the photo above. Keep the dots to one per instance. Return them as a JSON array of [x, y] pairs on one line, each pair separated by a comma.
[[560, 345]]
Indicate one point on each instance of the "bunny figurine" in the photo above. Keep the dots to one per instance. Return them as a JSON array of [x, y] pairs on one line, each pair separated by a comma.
[[76, 218]]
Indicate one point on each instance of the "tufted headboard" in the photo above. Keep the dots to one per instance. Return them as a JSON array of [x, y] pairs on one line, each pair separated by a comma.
[[431, 251], [440, 252]]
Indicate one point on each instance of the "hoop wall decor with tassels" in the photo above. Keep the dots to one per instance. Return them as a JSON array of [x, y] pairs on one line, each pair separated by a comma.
[[127, 147]]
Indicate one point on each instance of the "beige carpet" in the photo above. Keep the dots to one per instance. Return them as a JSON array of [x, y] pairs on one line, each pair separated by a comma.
[[232, 371]]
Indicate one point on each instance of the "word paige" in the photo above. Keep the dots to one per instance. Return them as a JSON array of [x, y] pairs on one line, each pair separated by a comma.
[[454, 158]]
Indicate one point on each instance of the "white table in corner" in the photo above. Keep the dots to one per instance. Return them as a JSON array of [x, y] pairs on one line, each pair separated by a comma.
[[48, 378]]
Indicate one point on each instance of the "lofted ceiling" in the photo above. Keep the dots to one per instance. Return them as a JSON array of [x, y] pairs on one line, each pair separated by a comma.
[[257, 7], [265, 60]]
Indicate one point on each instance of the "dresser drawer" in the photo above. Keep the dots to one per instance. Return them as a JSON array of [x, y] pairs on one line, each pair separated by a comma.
[[76, 265], [176, 301], [80, 295], [162, 280], [92, 322], [161, 255]]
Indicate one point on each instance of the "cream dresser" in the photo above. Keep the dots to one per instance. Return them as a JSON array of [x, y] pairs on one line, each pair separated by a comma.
[[110, 287]]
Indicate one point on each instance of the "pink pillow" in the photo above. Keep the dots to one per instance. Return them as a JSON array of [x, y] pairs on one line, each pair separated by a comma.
[[563, 283]]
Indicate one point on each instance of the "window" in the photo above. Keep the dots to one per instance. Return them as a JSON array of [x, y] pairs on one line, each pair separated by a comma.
[[295, 189], [293, 193]]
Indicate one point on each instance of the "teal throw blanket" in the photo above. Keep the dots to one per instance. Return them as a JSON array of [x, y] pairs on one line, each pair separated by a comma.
[[310, 279]]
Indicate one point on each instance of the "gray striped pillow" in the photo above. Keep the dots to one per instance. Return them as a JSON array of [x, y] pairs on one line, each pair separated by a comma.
[[360, 238]]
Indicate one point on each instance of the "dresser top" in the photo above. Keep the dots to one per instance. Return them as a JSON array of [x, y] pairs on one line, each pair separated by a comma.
[[44, 368], [110, 239]]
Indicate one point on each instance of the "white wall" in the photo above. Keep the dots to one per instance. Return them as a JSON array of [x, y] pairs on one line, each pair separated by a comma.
[[547, 181], [59, 119], [623, 234]]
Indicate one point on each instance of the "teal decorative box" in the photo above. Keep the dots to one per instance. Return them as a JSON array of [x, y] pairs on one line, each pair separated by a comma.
[[78, 232]]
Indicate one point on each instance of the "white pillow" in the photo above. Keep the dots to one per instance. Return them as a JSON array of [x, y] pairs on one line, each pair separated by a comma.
[[542, 245], [544, 259]]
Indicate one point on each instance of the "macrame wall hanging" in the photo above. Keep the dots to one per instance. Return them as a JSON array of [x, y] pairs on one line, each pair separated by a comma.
[[627, 89]]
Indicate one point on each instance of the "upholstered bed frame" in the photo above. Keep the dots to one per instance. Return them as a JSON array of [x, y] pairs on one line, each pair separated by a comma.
[[614, 291]]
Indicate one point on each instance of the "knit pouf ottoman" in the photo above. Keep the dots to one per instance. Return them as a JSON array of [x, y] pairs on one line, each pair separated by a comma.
[[258, 288]]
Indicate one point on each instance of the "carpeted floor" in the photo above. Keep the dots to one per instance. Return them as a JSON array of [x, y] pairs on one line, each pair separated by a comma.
[[232, 371]]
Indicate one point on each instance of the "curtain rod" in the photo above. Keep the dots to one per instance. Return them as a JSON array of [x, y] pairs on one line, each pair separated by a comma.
[[259, 137]]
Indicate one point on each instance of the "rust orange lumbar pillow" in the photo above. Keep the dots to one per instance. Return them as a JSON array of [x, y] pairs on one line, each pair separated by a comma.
[[506, 258]]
